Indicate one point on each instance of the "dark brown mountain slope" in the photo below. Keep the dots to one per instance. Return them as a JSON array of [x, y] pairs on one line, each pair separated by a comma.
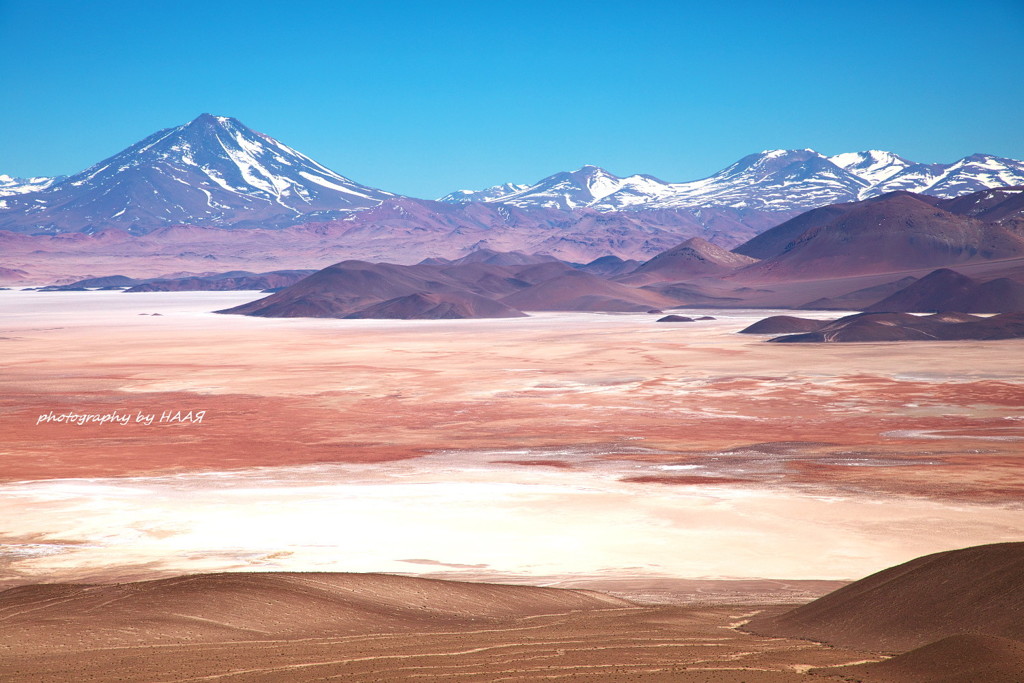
[[438, 306], [956, 659], [887, 327], [859, 299], [784, 324], [948, 290], [978, 590], [773, 241], [895, 232]]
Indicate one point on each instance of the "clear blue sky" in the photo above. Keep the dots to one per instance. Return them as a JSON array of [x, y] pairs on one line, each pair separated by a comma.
[[425, 97]]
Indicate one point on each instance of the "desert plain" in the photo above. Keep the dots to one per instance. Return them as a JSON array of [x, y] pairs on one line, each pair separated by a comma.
[[710, 473]]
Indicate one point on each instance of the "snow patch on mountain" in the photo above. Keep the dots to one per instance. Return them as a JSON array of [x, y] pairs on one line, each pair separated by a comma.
[[11, 185]]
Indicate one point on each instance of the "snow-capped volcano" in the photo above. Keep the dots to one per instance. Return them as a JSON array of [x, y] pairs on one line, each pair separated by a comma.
[[772, 180], [212, 170]]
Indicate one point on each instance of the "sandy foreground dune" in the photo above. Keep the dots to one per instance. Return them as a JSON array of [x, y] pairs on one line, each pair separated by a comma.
[[312, 627]]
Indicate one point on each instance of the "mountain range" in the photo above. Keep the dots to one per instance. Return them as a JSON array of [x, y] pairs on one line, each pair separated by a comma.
[[773, 180], [886, 255], [216, 172]]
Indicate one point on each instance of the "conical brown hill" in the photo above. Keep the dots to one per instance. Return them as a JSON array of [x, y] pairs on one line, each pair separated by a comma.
[[947, 290], [693, 258]]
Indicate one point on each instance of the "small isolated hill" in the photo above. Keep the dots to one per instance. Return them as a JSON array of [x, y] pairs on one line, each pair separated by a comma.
[[341, 289], [693, 258], [610, 266], [784, 324], [886, 327], [977, 591], [948, 290]]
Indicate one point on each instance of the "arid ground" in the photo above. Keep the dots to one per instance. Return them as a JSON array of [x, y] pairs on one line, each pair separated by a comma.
[[683, 465]]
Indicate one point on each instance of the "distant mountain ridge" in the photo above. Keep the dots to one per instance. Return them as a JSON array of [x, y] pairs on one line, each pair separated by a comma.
[[772, 180]]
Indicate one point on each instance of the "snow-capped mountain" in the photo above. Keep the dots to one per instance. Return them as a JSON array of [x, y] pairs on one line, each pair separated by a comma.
[[773, 180], [467, 196], [210, 171], [9, 185], [588, 186], [875, 165], [974, 173]]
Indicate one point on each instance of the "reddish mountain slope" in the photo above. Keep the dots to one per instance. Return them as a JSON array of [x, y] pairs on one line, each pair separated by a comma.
[[693, 258]]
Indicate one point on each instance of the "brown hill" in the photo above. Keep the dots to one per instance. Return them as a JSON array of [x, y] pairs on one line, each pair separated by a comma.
[[579, 291], [361, 289], [220, 282], [693, 258], [341, 289], [886, 327], [895, 232], [241, 606], [437, 306], [948, 290], [502, 258], [956, 659], [784, 324], [978, 590], [351, 287], [859, 299], [998, 204], [773, 241], [610, 266]]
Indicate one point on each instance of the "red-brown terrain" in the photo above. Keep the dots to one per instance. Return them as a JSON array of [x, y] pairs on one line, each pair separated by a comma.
[[977, 591]]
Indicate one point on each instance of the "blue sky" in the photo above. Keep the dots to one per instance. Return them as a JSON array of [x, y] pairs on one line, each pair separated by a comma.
[[425, 97]]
